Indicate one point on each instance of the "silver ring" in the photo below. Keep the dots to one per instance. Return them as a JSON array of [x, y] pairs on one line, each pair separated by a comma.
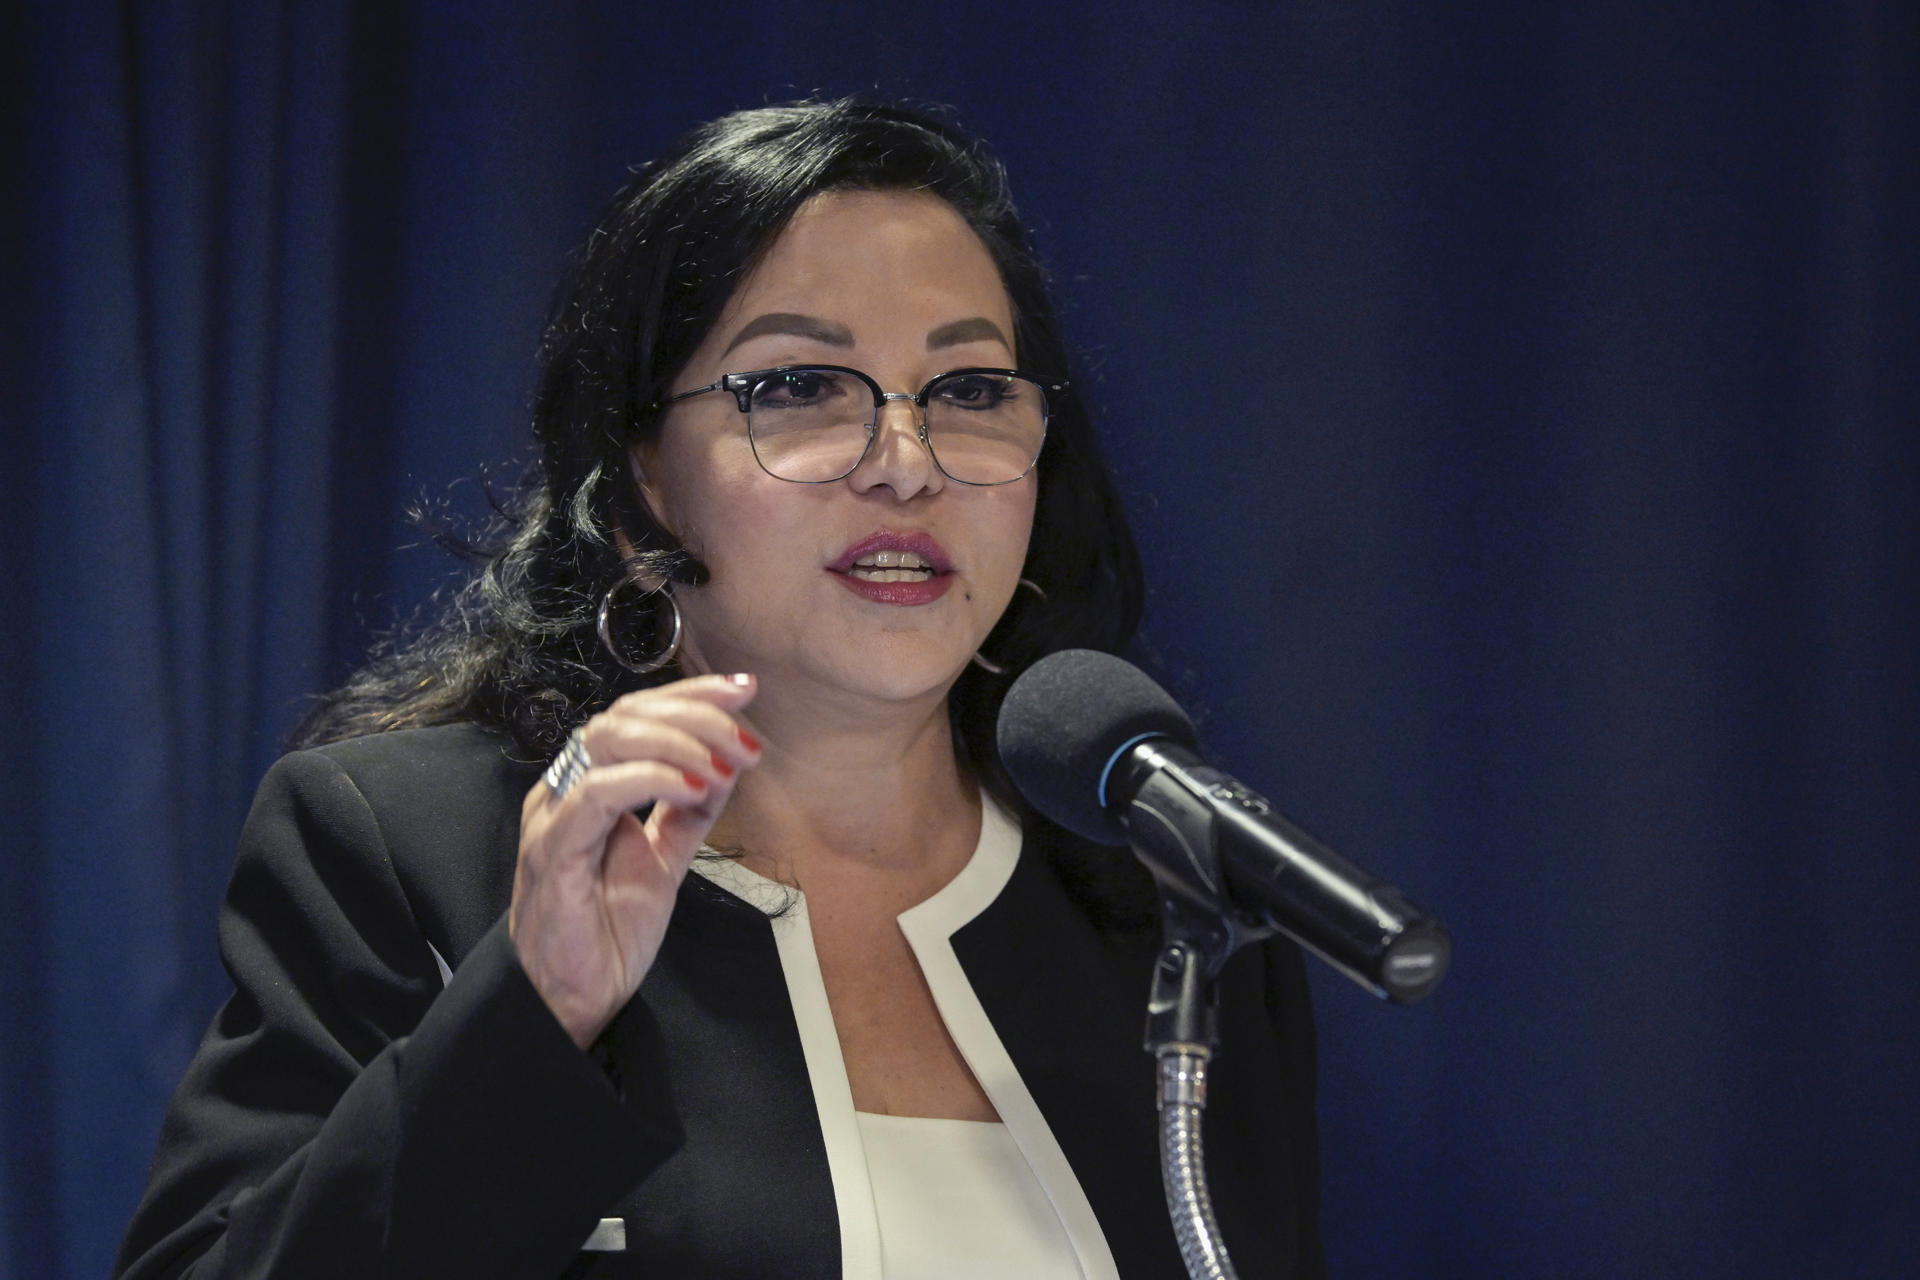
[[570, 765]]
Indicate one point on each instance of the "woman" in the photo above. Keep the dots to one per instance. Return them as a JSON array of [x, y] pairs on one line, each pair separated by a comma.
[[812, 490]]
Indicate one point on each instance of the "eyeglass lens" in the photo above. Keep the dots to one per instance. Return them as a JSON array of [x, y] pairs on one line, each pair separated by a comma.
[[812, 425]]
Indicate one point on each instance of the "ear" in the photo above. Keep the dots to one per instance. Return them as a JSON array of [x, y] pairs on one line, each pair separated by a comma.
[[649, 494], [650, 498], [629, 557]]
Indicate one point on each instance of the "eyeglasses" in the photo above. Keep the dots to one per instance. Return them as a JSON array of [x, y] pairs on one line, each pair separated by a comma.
[[814, 423]]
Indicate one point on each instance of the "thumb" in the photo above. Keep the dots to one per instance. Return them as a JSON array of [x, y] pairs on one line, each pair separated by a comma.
[[676, 831]]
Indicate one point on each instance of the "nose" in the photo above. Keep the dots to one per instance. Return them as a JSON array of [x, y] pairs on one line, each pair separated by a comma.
[[898, 457]]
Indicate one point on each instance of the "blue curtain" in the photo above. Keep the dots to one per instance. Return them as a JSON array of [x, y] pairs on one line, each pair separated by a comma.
[[1518, 407]]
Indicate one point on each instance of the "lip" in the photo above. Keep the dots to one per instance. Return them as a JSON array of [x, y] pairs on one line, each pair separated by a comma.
[[896, 593], [924, 545]]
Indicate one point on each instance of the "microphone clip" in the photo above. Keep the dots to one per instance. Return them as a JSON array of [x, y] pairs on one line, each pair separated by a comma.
[[1169, 829]]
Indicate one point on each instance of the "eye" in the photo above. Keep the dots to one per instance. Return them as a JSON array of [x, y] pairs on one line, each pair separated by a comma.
[[799, 389], [978, 390]]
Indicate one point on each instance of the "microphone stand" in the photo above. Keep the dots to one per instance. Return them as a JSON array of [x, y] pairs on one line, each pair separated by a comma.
[[1180, 1022], [1200, 930]]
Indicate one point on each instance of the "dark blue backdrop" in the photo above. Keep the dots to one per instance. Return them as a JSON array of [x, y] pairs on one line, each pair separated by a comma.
[[1519, 410]]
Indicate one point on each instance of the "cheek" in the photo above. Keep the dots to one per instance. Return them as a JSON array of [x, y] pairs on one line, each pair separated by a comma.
[[746, 536], [1006, 527], [695, 497], [1018, 520]]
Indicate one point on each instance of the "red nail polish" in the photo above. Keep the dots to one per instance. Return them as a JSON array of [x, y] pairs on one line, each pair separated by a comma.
[[752, 743], [694, 780], [720, 766]]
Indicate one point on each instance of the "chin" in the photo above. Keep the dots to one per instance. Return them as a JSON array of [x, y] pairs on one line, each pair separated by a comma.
[[898, 673]]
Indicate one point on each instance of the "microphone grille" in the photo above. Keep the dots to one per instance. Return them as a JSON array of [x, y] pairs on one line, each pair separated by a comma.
[[1065, 720]]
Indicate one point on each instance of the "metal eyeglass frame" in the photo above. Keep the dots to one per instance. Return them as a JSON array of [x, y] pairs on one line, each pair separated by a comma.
[[742, 386]]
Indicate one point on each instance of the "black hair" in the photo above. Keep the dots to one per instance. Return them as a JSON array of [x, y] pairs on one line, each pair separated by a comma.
[[517, 647]]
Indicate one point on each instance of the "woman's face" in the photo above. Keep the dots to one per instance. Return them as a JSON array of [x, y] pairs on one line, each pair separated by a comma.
[[880, 585]]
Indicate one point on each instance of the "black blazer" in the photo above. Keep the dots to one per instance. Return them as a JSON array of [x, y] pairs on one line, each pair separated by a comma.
[[347, 1116]]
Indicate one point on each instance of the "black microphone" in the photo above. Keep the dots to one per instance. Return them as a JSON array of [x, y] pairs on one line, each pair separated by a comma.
[[1094, 744]]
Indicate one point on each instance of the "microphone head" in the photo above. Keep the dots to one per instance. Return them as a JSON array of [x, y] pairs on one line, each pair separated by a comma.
[[1064, 723]]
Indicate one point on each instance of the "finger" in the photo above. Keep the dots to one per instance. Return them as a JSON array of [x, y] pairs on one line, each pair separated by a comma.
[[606, 792], [660, 852], [692, 735], [630, 740], [678, 830], [728, 692], [709, 715], [644, 859], [572, 832]]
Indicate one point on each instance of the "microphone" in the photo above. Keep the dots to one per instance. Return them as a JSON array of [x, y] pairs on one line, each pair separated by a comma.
[[1094, 744]]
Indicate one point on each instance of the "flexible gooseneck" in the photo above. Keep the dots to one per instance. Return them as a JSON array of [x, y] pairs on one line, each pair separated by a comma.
[[1180, 1034], [1183, 1167]]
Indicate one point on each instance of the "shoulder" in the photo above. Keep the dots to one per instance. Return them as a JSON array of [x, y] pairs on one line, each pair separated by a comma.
[[448, 759], [438, 806], [461, 774]]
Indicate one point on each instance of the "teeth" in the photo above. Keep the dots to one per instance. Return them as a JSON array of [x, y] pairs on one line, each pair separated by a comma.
[[893, 560], [867, 574]]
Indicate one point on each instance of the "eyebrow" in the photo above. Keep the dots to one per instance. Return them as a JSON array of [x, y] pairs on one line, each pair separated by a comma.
[[800, 326], [975, 329]]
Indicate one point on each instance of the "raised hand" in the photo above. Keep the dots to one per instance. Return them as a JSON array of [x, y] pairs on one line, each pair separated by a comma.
[[595, 884]]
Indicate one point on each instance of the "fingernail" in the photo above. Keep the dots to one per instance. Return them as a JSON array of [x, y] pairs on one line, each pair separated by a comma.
[[720, 766], [752, 743], [694, 780], [740, 678]]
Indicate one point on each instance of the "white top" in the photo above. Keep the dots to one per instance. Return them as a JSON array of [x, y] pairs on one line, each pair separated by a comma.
[[897, 1231], [956, 1200]]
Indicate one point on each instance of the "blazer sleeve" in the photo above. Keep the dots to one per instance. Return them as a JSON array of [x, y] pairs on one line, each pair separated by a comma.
[[345, 1115]]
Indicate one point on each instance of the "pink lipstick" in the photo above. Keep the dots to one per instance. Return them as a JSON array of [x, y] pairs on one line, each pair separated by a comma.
[[895, 568]]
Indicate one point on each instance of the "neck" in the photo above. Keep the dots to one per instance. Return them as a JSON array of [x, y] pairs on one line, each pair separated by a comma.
[[855, 789]]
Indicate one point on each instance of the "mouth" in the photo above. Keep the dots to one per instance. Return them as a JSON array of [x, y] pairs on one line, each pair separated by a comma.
[[890, 566], [893, 557], [895, 568]]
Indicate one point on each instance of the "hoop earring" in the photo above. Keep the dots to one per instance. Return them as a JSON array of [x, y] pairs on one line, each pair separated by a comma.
[[648, 665], [987, 664]]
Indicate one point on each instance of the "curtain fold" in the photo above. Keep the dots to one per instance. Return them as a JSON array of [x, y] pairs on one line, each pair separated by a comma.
[[182, 201]]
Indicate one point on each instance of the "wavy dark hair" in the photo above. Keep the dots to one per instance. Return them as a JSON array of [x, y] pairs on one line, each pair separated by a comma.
[[516, 647]]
